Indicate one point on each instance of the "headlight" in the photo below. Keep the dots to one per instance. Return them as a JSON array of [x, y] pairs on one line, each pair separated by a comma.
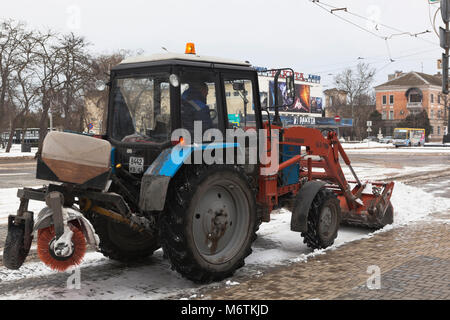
[[174, 80]]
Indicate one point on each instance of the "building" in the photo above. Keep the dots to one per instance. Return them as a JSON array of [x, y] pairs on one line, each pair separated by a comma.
[[412, 92], [335, 101]]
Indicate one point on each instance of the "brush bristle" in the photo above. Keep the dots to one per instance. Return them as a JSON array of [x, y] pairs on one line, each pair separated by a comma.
[[46, 235]]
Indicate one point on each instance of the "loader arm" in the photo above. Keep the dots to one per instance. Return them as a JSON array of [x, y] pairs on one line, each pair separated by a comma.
[[321, 162]]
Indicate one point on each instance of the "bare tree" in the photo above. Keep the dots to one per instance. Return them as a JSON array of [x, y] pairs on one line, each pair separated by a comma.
[[97, 93], [357, 83], [23, 90], [12, 35], [50, 81], [76, 72]]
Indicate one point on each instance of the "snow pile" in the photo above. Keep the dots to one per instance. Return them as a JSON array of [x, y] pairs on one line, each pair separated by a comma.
[[413, 204], [16, 153]]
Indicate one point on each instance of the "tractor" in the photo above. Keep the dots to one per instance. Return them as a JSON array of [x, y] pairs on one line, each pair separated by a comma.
[[176, 170]]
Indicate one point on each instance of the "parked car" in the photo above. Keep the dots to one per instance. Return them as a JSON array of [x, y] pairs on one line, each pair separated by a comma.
[[371, 138], [387, 139]]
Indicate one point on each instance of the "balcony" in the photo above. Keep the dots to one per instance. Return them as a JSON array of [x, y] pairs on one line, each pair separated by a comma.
[[414, 106]]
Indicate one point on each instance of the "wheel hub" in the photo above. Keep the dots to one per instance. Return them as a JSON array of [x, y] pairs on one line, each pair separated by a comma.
[[61, 250], [326, 223], [219, 223]]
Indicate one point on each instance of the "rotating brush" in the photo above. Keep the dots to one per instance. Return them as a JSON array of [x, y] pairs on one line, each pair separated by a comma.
[[46, 255]]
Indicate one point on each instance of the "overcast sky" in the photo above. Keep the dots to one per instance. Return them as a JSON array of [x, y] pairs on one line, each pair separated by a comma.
[[279, 33]]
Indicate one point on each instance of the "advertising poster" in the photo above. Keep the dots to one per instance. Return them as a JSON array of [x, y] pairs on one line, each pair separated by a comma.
[[303, 100], [316, 105]]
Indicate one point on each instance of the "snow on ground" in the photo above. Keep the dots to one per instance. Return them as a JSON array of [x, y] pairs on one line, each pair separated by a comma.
[[364, 145], [379, 172], [16, 153], [102, 278], [399, 150], [9, 203]]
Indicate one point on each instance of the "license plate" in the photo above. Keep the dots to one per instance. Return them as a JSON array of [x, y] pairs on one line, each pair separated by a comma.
[[136, 165]]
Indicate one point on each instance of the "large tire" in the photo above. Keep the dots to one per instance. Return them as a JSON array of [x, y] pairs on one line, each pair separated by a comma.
[[122, 243], [324, 217], [211, 222]]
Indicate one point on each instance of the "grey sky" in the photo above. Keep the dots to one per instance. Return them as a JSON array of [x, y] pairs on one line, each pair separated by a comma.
[[279, 33]]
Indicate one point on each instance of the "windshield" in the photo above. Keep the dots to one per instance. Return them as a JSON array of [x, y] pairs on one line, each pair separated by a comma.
[[141, 109], [400, 135]]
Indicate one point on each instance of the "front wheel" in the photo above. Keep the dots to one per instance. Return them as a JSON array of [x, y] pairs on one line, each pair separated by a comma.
[[324, 217], [210, 224]]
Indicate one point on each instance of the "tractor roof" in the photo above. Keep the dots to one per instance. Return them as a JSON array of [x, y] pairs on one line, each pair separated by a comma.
[[179, 59]]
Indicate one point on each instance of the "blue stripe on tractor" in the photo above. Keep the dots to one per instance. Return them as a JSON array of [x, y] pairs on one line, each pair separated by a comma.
[[170, 160], [113, 160]]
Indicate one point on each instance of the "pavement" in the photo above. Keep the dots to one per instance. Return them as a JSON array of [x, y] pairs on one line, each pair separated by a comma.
[[413, 261]]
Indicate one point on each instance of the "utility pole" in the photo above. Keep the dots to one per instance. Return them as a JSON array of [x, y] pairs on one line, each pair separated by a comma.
[[444, 35]]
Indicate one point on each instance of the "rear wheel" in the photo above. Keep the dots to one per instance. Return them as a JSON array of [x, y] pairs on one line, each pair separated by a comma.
[[120, 242], [323, 220], [210, 224]]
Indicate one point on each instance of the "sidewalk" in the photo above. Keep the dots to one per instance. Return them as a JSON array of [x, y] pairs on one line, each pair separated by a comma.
[[414, 262]]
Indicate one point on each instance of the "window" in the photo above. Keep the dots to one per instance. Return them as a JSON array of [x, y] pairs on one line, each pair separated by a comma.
[[383, 115], [240, 110], [439, 130], [415, 97], [432, 98], [432, 130], [391, 115], [391, 99], [198, 100], [432, 114], [141, 108], [227, 94], [384, 99], [439, 114], [439, 99]]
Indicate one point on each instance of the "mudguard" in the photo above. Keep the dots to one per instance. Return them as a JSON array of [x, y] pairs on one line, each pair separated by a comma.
[[156, 179], [45, 219], [303, 200]]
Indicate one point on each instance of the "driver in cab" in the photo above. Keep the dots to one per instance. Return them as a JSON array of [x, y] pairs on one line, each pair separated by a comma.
[[194, 107]]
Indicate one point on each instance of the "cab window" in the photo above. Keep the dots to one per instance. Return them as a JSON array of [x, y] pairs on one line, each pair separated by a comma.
[[141, 109], [198, 100], [239, 103]]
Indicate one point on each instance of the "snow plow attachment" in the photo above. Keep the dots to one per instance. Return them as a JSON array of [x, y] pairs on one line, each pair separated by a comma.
[[367, 204]]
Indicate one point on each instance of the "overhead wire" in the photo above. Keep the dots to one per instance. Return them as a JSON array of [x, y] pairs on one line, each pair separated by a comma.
[[400, 32]]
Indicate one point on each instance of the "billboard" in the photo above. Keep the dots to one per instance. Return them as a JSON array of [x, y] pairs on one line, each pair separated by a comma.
[[303, 100]]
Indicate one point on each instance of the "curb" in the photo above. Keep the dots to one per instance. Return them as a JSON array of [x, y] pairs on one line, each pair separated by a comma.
[[18, 158]]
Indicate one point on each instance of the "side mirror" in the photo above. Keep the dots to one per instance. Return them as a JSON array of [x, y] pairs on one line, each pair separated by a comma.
[[284, 93], [290, 87], [238, 86]]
